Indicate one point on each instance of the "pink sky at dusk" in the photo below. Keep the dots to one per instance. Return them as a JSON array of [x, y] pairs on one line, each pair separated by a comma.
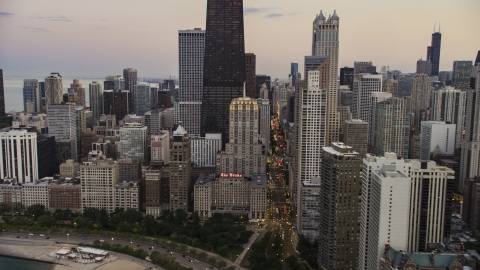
[[101, 37]]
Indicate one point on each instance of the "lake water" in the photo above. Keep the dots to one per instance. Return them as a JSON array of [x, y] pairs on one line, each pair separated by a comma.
[[14, 90], [19, 264]]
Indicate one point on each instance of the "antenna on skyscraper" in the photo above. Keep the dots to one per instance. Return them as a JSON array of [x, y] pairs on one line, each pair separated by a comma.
[[244, 90], [435, 27], [439, 29]]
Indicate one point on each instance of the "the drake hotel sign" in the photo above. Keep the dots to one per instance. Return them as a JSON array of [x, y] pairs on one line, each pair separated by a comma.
[[230, 175]]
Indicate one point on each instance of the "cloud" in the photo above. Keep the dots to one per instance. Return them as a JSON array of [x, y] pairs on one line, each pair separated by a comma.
[[53, 18], [278, 15], [251, 10], [36, 29], [6, 14]]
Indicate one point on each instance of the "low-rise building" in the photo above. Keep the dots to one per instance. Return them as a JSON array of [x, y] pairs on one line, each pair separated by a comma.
[[65, 193], [10, 194], [70, 168], [127, 195], [36, 193], [157, 190]]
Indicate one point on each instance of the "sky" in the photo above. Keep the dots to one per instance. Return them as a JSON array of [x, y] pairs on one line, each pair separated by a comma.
[[102, 37]]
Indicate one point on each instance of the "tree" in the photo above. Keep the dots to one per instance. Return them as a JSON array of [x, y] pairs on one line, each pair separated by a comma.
[[46, 221], [221, 264], [36, 211], [202, 255], [231, 267], [4, 208], [183, 248], [212, 261], [96, 242], [193, 252], [181, 217], [223, 250], [195, 218]]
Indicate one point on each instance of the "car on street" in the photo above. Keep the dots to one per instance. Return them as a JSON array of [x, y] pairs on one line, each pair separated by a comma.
[[31, 234], [48, 237], [42, 235], [19, 237]]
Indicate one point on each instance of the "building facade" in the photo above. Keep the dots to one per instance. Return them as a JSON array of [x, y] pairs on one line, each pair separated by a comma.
[[180, 170], [141, 98], [53, 89], [355, 134], [96, 100], [421, 91], [205, 149], [363, 87], [31, 96], [133, 138], [436, 138]]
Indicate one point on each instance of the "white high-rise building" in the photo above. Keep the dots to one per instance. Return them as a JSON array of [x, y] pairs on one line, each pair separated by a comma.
[[205, 149], [31, 96], [133, 138], [470, 160], [53, 89], [18, 155], [436, 138], [160, 146], [326, 43], [62, 122], [392, 127], [98, 178], [312, 122], [191, 51], [96, 100], [363, 87], [448, 105], [397, 206]]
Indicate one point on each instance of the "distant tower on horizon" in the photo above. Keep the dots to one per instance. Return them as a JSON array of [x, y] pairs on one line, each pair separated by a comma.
[[2, 95], [250, 68], [130, 76], [293, 73], [224, 64], [433, 52]]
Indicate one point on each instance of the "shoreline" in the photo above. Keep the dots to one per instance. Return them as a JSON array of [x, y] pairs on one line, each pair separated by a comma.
[[52, 264]]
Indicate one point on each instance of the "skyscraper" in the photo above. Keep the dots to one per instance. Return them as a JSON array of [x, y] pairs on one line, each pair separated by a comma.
[[339, 207], [96, 100], [250, 67], [346, 76], [31, 96], [363, 87], [355, 134], [424, 67], [133, 138], [361, 67], [293, 73], [325, 42], [461, 74], [76, 93], [433, 52], [421, 90], [2, 95], [53, 89], [191, 51], [180, 170], [141, 98], [117, 103], [224, 64], [130, 76]]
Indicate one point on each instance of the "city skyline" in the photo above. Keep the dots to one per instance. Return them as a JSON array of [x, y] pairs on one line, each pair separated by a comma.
[[69, 32]]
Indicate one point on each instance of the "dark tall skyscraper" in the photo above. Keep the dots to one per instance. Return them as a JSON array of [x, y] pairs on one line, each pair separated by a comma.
[[293, 73], [224, 64], [433, 52], [2, 95], [130, 75], [346, 76], [119, 104], [250, 68]]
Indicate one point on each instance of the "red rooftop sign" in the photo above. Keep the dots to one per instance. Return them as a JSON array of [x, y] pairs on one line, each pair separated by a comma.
[[232, 175]]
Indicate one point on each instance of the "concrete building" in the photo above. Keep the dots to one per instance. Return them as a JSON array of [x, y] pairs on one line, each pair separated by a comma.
[[160, 147], [11, 195], [355, 134], [76, 94], [159, 119], [129, 170], [65, 193], [62, 122], [310, 208], [250, 66], [471, 203], [98, 178], [363, 87], [264, 121], [157, 190], [35, 193], [96, 100], [326, 43], [340, 208], [245, 152], [35, 120], [231, 193], [421, 91], [133, 138], [191, 45], [391, 86], [19, 156], [461, 74], [375, 99], [31, 96], [141, 98], [398, 259], [180, 170], [118, 103], [424, 67], [127, 195], [53, 89], [449, 105], [436, 138], [70, 168], [361, 67], [204, 150], [87, 138], [392, 127]]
